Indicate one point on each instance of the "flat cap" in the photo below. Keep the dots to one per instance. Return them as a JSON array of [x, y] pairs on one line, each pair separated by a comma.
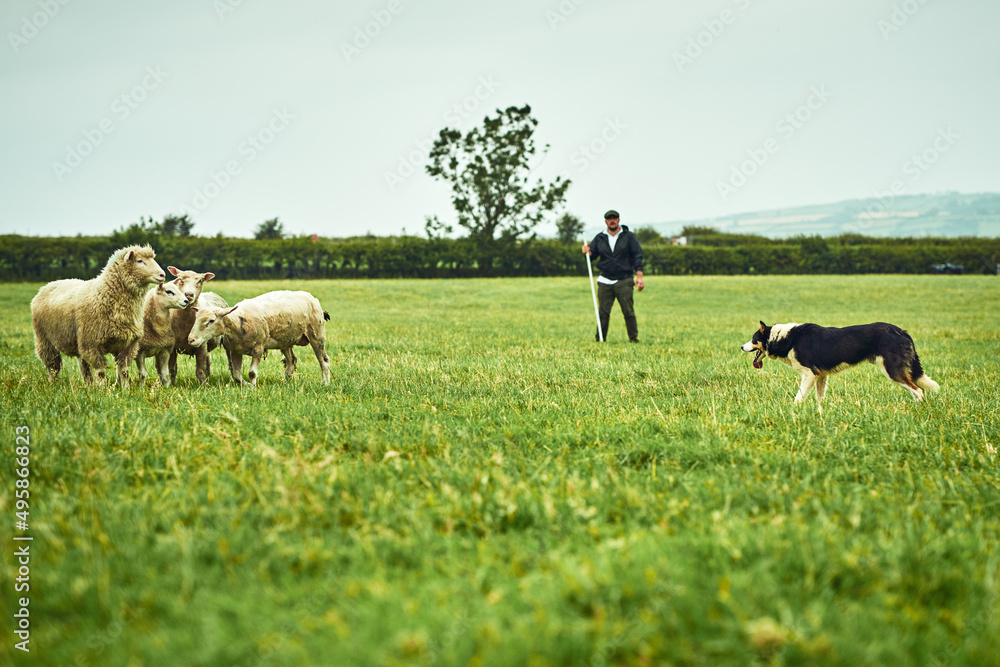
[[611, 214]]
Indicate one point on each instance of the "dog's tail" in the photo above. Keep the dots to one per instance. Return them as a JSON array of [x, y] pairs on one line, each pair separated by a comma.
[[927, 384], [921, 380]]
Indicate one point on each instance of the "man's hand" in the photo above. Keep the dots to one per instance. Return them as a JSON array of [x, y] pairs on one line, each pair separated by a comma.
[[586, 248], [639, 283]]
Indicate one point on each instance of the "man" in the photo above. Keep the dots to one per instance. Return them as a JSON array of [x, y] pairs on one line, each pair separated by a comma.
[[620, 257]]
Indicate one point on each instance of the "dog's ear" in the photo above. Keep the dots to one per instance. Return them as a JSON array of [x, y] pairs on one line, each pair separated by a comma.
[[763, 327]]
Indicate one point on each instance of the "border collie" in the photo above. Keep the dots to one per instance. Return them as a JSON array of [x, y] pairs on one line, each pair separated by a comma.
[[817, 352]]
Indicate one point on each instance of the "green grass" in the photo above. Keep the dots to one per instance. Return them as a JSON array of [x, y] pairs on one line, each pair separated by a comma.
[[481, 483]]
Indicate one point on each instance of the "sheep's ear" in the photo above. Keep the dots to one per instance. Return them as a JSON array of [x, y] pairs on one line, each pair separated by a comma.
[[209, 276], [230, 310], [131, 254], [762, 326], [194, 310], [173, 270]]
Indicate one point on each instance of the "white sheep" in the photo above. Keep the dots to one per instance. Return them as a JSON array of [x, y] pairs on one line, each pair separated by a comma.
[[92, 318], [271, 321], [157, 335], [191, 284]]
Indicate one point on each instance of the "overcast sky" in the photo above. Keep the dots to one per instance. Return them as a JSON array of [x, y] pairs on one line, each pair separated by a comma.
[[321, 113]]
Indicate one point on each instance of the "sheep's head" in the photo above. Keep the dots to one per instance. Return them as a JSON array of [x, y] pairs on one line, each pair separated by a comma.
[[139, 263], [208, 323], [190, 282], [171, 296]]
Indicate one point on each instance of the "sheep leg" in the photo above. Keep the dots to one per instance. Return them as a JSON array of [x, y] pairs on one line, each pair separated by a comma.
[[290, 362], [85, 371], [236, 366], [124, 358], [49, 355], [140, 365], [255, 357], [319, 348], [98, 365], [162, 367], [201, 364], [172, 366]]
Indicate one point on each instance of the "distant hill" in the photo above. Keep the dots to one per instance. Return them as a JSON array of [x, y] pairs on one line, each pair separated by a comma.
[[944, 215]]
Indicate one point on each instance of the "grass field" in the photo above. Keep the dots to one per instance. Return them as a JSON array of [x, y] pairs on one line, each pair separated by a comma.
[[481, 483]]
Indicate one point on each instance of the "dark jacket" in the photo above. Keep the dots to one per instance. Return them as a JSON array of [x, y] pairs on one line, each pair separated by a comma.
[[624, 261]]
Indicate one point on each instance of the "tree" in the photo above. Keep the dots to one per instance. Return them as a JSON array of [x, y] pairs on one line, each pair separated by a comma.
[[434, 228], [270, 229], [569, 228], [174, 225], [148, 230], [696, 230], [647, 234], [489, 177], [145, 232]]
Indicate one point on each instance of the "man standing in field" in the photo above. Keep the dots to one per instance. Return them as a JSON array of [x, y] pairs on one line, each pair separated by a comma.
[[620, 257]]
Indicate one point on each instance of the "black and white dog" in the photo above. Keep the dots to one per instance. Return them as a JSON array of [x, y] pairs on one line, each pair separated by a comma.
[[817, 352]]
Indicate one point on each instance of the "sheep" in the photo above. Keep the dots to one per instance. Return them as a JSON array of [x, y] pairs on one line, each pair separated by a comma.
[[157, 335], [191, 284], [271, 321], [92, 318]]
